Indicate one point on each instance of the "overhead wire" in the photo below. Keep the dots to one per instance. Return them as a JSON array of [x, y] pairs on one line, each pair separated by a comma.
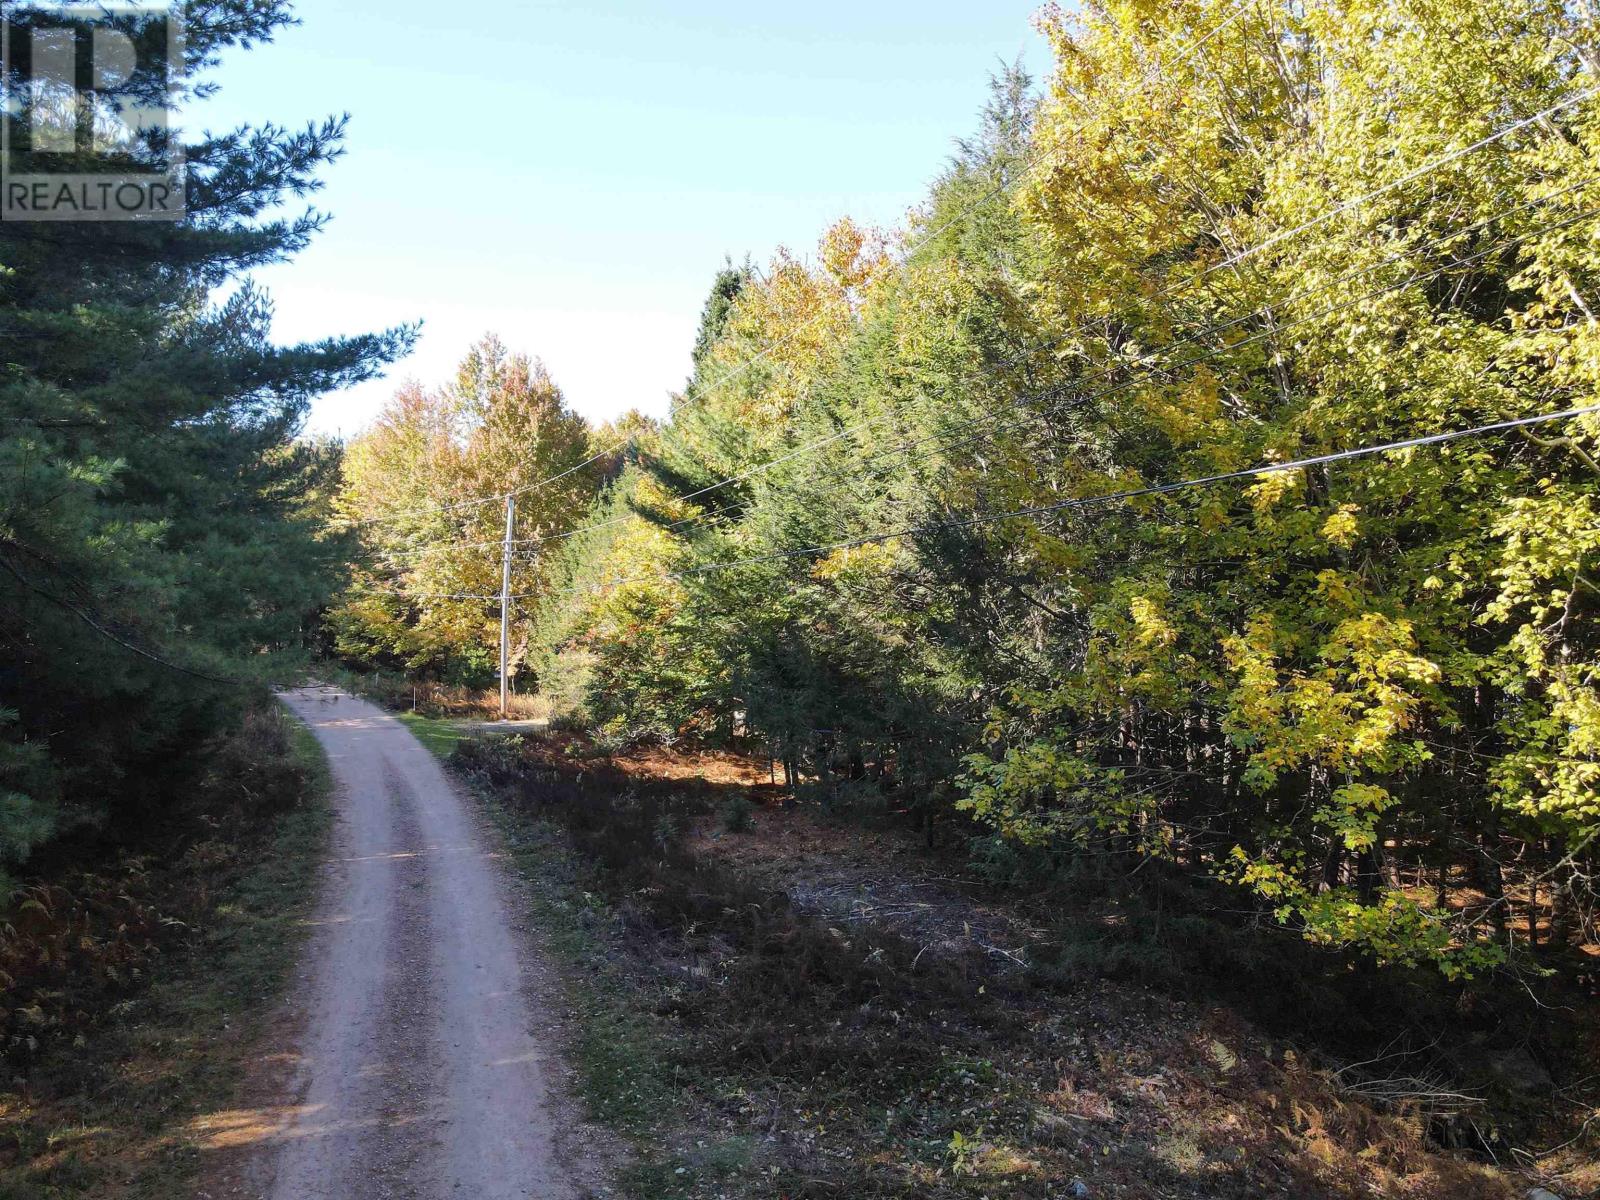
[[1150, 359], [1433, 164], [1072, 503], [927, 239], [1143, 360], [1426, 168]]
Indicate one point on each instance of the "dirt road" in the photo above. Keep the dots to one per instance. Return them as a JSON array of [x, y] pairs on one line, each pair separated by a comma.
[[425, 1065]]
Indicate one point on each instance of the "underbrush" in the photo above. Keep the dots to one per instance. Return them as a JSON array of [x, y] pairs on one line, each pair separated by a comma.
[[439, 700], [127, 968], [811, 1057]]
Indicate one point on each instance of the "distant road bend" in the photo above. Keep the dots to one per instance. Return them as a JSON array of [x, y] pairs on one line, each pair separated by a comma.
[[422, 1072]]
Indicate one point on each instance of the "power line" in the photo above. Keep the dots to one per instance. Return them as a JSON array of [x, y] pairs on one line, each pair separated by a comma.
[[1421, 171], [92, 623], [1148, 360], [1267, 334], [1426, 168], [1076, 503], [1165, 489], [1144, 360], [1432, 165], [1027, 162]]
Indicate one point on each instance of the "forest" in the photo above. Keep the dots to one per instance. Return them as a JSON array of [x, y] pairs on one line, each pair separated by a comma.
[[1002, 513], [1183, 527]]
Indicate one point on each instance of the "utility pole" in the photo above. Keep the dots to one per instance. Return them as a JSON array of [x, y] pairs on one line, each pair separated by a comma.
[[505, 608]]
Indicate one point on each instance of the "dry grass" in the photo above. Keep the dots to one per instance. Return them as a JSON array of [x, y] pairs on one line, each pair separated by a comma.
[[106, 1099], [452, 703], [829, 1011]]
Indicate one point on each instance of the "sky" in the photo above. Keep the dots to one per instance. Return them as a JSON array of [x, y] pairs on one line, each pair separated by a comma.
[[570, 175]]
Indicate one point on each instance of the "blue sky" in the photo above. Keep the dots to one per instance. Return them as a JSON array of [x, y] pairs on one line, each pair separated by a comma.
[[570, 175]]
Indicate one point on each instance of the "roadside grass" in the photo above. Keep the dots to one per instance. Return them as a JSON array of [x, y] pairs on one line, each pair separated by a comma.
[[618, 1051], [441, 735], [749, 1048], [110, 1114], [399, 693], [438, 734]]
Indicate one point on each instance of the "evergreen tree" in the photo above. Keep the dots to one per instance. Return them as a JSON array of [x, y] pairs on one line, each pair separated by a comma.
[[1225, 238], [159, 523]]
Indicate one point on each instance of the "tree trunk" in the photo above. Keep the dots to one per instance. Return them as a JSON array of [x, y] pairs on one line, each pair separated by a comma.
[[1492, 880], [1563, 917], [1533, 915]]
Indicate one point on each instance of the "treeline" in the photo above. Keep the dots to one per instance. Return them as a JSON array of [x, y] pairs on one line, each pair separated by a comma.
[[425, 490], [887, 529], [163, 530]]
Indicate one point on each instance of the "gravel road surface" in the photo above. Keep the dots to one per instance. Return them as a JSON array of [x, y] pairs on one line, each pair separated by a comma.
[[425, 1066]]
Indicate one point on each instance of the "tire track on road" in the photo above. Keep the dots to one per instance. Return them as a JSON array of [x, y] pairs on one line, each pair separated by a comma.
[[420, 1076]]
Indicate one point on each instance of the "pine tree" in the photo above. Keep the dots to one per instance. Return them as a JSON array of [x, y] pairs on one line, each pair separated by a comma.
[[159, 523]]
